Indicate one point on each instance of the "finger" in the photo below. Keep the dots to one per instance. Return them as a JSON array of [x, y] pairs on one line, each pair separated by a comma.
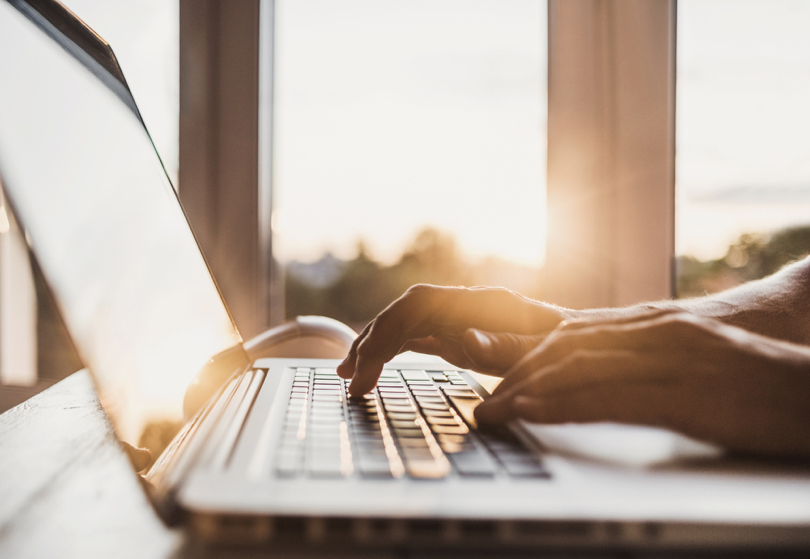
[[346, 367], [483, 352], [637, 404], [655, 332], [424, 310], [590, 369], [429, 346], [640, 403], [496, 352], [578, 372]]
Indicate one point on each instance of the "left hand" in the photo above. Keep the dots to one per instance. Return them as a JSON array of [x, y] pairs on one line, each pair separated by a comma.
[[486, 329], [694, 375]]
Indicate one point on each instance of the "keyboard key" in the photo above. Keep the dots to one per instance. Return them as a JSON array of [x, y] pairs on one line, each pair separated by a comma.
[[404, 416], [461, 392], [325, 419], [409, 432], [436, 406], [404, 424], [390, 384], [374, 467], [396, 408], [415, 375], [366, 405], [389, 373], [416, 453], [316, 427], [433, 420], [427, 469], [391, 390], [422, 400], [367, 443], [439, 378], [474, 463], [457, 439], [450, 430], [327, 398], [454, 448], [366, 425], [413, 443], [395, 401], [437, 413]]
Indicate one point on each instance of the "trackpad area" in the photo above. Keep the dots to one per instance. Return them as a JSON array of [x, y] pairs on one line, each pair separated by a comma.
[[629, 445]]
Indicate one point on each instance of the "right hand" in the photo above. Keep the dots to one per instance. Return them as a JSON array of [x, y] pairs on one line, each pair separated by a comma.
[[486, 329]]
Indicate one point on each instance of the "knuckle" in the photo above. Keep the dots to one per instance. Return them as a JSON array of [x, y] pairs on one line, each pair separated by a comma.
[[566, 341], [417, 296], [570, 324], [577, 359], [681, 324], [419, 289]]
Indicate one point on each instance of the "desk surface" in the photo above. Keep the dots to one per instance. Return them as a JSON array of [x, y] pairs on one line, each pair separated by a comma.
[[67, 488]]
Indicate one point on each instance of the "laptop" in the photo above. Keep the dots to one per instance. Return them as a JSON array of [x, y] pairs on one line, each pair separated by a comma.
[[278, 453]]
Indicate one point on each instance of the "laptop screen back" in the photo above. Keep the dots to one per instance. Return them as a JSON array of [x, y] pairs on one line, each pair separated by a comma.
[[105, 225]]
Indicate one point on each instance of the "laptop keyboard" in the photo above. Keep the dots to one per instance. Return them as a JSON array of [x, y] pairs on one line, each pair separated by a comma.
[[415, 423]]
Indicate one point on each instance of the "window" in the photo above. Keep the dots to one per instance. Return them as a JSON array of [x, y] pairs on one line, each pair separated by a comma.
[[409, 146], [743, 138]]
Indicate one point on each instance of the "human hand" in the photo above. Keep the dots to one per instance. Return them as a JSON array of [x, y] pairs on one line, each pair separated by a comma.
[[486, 329], [675, 370]]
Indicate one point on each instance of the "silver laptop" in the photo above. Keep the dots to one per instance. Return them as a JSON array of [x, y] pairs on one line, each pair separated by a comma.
[[279, 453]]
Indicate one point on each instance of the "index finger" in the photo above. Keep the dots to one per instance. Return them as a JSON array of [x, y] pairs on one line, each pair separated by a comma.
[[425, 309]]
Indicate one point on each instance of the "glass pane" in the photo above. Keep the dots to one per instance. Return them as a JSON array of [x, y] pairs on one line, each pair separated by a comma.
[[144, 34], [743, 140], [410, 146]]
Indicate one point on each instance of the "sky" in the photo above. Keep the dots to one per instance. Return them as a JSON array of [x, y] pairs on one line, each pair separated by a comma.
[[395, 115], [743, 120], [391, 116]]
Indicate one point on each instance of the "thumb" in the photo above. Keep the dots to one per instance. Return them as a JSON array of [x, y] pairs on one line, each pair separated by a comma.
[[496, 351]]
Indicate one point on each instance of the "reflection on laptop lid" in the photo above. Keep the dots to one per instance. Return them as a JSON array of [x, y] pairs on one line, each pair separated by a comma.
[[102, 219]]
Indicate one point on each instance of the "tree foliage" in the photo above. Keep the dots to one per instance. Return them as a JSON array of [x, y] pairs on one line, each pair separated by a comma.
[[365, 287], [752, 256]]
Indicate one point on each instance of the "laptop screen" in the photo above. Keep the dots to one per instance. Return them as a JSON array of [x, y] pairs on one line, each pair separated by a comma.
[[105, 225]]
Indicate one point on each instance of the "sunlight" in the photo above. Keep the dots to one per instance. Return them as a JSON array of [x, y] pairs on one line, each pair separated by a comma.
[[390, 119]]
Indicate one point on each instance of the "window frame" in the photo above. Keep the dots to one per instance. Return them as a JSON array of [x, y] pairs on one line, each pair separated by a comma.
[[611, 152]]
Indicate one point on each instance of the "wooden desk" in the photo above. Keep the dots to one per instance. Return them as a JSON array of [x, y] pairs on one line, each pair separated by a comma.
[[66, 487]]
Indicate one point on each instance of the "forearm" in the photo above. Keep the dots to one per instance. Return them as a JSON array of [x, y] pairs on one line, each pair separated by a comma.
[[777, 306]]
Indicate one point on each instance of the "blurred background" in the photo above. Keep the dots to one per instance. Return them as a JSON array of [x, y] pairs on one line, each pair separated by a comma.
[[409, 145]]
